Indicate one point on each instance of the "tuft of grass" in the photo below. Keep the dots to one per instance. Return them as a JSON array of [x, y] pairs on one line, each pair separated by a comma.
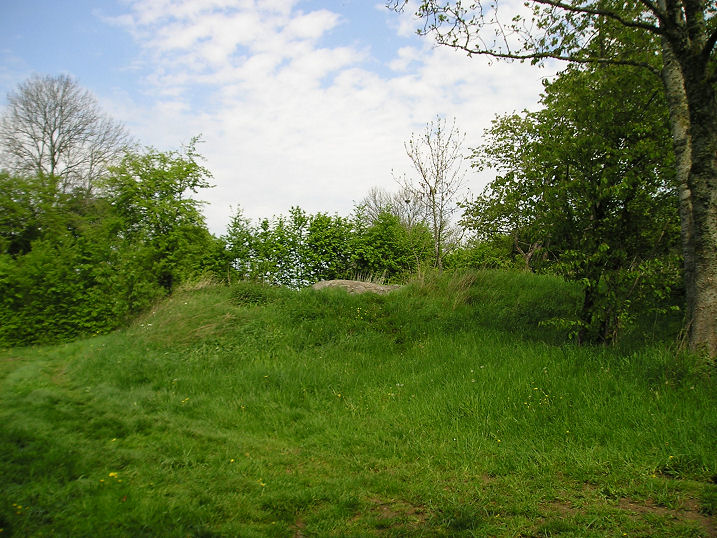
[[373, 278], [249, 293], [442, 408]]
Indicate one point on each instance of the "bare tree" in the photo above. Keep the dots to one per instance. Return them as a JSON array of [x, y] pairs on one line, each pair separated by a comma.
[[403, 203], [437, 157], [53, 128]]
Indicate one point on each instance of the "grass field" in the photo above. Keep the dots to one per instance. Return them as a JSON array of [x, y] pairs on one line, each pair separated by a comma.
[[440, 409]]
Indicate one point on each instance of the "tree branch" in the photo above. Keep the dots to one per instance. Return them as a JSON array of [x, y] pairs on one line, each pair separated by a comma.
[[654, 8], [601, 13], [451, 27], [537, 56]]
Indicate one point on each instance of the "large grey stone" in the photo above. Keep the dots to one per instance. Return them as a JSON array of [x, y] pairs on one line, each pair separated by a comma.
[[356, 286]]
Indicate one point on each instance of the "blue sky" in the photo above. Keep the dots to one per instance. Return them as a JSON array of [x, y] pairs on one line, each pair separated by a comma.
[[299, 102]]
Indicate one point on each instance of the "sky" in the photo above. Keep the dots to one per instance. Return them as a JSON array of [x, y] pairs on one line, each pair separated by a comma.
[[298, 102]]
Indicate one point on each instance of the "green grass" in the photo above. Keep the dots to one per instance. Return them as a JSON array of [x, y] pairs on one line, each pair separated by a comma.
[[440, 409]]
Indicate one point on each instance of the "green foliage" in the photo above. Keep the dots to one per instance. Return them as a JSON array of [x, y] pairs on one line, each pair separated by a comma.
[[299, 249], [274, 251], [438, 409], [68, 285], [250, 293], [327, 248], [238, 244], [586, 188], [21, 205], [74, 264], [495, 252], [148, 192], [388, 249]]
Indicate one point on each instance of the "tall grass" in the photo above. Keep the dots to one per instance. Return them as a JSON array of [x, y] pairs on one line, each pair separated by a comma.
[[443, 408]]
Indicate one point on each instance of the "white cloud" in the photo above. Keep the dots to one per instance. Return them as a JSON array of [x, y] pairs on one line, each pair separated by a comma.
[[290, 119], [311, 25], [405, 57]]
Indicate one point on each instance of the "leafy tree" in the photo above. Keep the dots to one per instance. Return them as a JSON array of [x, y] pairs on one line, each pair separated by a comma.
[[389, 250], [239, 241], [300, 249], [270, 251], [295, 250], [495, 252], [507, 206], [65, 272], [327, 249], [149, 195], [282, 248], [273, 253], [54, 129], [74, 264], [589, 179], [24, 207], [680, 33]]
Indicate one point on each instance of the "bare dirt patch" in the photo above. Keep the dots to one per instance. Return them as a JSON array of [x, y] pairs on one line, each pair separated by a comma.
[[690, 513], [561, 507], [393, 514], [299, 528]]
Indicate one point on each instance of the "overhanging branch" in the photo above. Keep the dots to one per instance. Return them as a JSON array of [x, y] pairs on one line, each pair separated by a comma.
[[602, 13], [537, 56]]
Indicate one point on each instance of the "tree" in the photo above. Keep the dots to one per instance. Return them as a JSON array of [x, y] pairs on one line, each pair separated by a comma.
[[149, 195], [239, 241], [408, 206], [295, 250], [683, 34], [24, 207], [72, 264], [65, 267], [590, 179], [54, 129], [403, 203], [326, 252], [507, 205], [436, 155], [388, 250]]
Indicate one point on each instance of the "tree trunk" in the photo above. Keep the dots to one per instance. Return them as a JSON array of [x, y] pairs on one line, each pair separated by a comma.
[[680, 128], [686, 53], [702, 183], [587, 314], [527, 256]]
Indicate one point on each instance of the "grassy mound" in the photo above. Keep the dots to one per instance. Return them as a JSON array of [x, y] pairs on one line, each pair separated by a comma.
[[443, 408]]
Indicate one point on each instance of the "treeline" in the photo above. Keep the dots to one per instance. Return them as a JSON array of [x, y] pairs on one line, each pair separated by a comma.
[[584, 187], [77, 263], [299, 249]]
